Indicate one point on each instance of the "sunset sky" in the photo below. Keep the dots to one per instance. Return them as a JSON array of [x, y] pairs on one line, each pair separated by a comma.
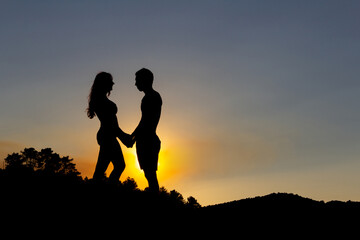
[[258, 96]]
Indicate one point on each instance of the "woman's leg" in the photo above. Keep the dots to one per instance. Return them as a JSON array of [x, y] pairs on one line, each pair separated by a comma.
[[101, 166], [117, 160], [119, 166]]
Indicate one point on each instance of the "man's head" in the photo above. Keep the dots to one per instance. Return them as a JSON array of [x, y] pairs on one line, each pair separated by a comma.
[[144, 79]]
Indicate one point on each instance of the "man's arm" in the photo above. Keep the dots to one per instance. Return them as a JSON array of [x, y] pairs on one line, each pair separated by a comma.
[[138, 129]]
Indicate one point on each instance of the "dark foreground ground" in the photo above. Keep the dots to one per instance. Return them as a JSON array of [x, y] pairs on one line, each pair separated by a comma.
[[64, 207]]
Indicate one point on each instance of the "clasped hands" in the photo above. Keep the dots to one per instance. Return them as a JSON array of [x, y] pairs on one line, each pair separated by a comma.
[[128, 140]]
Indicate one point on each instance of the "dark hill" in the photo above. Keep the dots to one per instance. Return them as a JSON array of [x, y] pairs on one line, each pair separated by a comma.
[[285, 212], [282, 202], [61, 202], [43, 193]]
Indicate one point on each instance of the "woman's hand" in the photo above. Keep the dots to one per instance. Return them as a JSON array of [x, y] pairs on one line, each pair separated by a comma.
[[128, 140]]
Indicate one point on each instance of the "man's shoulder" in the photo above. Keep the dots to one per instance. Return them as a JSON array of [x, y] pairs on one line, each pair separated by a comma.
[[153, 97], [157, 95]]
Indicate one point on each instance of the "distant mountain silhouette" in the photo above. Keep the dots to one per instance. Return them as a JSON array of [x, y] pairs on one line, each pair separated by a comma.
[[286, 212], [281, 202]]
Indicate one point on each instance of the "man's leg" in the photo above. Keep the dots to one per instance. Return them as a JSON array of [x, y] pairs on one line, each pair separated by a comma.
[[152, 180]]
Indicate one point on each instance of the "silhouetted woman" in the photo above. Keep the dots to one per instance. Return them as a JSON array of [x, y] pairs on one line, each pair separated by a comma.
[[105, 110]]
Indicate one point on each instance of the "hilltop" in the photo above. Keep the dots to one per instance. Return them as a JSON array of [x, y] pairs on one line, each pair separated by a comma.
[[281, 202], [41, 190], [59, 203], [38, 190]]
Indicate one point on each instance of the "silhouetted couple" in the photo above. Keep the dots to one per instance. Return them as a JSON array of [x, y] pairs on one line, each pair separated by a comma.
[[147, 142]]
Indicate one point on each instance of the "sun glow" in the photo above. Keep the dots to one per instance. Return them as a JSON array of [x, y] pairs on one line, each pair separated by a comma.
[[171, 165], [133, 154], [133, 169]]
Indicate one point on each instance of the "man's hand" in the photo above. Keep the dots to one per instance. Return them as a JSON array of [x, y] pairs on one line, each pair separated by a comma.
[[129, 141]]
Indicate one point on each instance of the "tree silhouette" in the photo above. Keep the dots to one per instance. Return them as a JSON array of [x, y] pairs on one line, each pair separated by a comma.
[[193, 203], [45, 161]]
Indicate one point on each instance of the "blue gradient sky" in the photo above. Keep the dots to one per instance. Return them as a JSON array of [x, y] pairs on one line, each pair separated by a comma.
[[259, 96]]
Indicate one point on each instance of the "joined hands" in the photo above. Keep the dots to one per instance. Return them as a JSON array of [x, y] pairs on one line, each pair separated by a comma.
[[128, 140]]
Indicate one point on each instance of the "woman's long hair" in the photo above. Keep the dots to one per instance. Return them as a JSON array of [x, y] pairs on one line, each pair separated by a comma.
[[99, 89]]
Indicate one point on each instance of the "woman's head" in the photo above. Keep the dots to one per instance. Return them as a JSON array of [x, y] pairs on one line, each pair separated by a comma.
[[101, 87], [103, 84]]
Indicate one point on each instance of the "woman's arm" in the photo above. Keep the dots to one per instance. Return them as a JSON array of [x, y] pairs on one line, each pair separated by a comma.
[[124, 137]]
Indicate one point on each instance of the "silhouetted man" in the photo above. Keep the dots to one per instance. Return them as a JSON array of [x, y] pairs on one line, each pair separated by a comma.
[[147, 142]]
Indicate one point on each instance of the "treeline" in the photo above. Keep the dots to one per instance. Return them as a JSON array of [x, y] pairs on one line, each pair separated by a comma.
[[45, 182], [45, 162]]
